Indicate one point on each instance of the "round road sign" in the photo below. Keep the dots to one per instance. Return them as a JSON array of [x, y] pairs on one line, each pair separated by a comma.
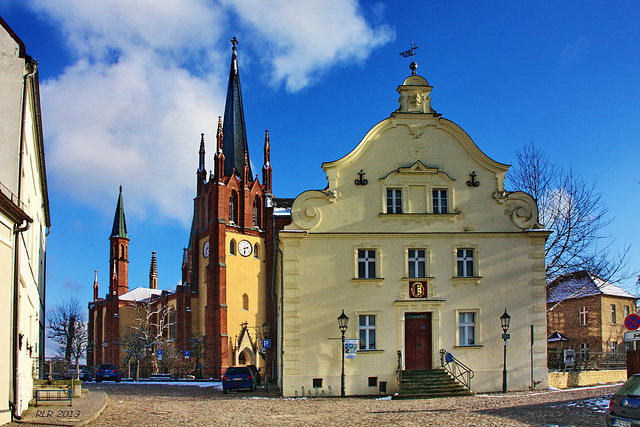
[[632, 322]]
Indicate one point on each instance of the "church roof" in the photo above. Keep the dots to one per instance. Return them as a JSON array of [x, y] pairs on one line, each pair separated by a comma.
[[140, 294], [234, 133], [582, 284], [119, 224]]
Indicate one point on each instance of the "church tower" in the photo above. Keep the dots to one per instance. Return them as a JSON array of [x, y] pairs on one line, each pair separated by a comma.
[[119, 259], [227, 261]]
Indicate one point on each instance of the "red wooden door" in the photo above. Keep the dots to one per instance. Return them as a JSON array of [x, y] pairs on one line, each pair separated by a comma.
[[417, 341]]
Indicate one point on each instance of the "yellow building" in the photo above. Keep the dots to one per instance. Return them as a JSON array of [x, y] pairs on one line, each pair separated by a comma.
[[24, 225], [417, 241]]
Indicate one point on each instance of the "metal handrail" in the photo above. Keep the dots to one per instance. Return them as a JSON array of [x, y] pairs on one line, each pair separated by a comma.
[[458, 370], [399, 370]]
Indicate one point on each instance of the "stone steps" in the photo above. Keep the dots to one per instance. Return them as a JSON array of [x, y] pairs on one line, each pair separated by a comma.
[[429, 384]]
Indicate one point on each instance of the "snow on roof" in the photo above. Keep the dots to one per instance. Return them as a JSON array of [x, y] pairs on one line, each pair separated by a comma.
[[580, 285], [140, 294]]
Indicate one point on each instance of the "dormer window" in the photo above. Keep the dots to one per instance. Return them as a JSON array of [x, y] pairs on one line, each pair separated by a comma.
[[440, 202]]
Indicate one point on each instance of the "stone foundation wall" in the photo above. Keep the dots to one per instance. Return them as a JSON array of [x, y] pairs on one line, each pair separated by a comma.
[[585, 378]]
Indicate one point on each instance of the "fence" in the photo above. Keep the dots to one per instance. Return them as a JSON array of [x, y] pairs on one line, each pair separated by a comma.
[[587, 361]]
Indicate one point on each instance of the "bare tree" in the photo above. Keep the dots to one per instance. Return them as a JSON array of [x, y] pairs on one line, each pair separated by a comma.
[[197, 349], [576, 213], [66, 325], [147, 331]]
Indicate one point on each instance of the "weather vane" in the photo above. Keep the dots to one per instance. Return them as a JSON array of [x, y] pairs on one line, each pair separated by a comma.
[[410, 53]]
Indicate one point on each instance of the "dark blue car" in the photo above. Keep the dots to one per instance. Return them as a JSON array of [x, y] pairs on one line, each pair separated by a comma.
[[108, 372], [624, 407], [237, 377]]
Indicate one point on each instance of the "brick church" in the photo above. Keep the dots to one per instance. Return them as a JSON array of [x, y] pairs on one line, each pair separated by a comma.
[[225, 305]]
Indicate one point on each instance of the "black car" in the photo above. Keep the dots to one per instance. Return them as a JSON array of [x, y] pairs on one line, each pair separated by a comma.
[[256, 372], [108, 372], [624, 407]]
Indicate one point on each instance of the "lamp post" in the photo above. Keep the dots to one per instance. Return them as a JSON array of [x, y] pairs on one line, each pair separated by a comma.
[[504, 321], [266, 328], [343, 321]]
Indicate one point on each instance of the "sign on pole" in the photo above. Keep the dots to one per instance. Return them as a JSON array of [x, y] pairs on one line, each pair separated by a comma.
[[350, 349], [632, 336], [186, 354], [159, 354], [632, 322], [266, 343]]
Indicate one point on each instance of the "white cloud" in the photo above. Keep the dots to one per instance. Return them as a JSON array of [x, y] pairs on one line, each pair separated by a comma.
[[308, 37], [150, 76]]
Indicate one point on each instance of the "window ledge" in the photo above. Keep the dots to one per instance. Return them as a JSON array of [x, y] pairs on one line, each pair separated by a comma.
[[417, 279], [429, 218], [370, 351], [478, 346], [367, 282], [466, 280]]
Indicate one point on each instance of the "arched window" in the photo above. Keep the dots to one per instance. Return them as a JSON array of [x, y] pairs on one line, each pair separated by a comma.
[[233, 208], [232, 247], [245, 302], [255, 251], [256, 212], [121, 251]]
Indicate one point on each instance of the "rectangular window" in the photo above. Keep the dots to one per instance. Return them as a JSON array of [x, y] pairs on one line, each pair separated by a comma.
[[366, 264], [440, 202], [614, 346], [367, 329], [394, 201], [465, 263], [626, 311], [417, 263], [584, 349], [613, 314], [467, 329], [583, 316]]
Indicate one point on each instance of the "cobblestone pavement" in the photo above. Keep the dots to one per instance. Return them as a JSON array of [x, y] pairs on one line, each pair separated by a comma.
[[161, 405]]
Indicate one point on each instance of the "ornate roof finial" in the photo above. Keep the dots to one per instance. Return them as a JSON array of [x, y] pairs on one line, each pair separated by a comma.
[[410, 53], [234, 42]]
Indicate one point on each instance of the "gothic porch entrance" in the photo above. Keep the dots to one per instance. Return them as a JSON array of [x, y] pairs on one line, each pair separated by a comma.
[[418, 348]]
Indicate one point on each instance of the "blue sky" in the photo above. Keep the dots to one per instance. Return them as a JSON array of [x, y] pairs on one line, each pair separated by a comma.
[[128, 87]]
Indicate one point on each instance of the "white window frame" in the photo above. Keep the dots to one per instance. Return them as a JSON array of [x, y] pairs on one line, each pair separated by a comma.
[[415, 261], [465, 262], [367, 262], [465, 326], [440, 205], [626, 311], [583, 316], [614, 317], [396, 199], [366, 345]]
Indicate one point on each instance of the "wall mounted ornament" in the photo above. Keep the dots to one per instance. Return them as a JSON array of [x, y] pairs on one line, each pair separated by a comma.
[[361, 180], [473, 182]]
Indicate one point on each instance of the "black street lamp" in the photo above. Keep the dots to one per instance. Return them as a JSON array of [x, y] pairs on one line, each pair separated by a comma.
[[266, 328], [343, 321], [504, 321]]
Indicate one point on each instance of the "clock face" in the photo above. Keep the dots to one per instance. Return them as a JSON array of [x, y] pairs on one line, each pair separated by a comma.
[[245, 248], [205, 249]]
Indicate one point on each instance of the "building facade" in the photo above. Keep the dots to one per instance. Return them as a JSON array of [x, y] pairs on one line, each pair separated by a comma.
[[417, 242], [24, 225], [225, 302], [586, 314]]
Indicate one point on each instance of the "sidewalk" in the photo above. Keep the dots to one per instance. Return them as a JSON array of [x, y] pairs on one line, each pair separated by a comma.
[[83, 410]]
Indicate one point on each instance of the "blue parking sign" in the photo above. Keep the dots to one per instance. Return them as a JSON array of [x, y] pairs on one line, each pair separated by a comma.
[[266, 343]]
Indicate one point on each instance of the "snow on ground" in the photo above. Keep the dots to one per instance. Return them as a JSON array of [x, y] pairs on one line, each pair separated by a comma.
[[595, 404], [214, 384]]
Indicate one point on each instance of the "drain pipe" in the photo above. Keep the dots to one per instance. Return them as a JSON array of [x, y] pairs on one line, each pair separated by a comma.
[[17, 340]]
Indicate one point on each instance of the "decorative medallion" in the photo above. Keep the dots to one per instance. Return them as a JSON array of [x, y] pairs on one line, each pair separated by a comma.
[[361, 180], [418, 290]]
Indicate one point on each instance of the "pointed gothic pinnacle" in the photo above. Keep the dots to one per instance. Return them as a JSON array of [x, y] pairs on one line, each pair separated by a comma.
[[246, 158], [95, 278]]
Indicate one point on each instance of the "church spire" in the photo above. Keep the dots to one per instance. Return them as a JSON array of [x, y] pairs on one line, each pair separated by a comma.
[[153, 272], [119, 224], [95, 286], [234, 130], [201, 163]]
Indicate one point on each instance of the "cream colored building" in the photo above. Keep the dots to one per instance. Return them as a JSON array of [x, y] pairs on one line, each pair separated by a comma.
[[417, 241], [24, 223]]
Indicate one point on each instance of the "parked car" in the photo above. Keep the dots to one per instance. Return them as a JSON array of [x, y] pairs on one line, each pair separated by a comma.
[[84, 373], [239, 377], [624, 406], [108, 372]]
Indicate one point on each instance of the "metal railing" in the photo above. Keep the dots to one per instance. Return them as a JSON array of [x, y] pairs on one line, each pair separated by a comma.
[[586, 361], [399, 370], [458, 370]]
